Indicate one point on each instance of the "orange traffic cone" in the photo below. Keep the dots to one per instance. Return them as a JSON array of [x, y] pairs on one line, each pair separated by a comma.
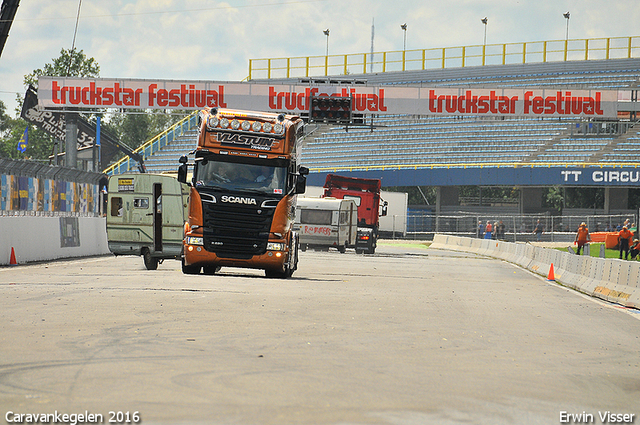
[[12, 259], [551, 276]]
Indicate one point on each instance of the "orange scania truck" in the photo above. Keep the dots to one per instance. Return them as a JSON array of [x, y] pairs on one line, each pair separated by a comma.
[[243, 193]]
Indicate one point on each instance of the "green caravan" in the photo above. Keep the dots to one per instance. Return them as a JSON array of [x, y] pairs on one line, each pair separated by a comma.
[[146, 215]]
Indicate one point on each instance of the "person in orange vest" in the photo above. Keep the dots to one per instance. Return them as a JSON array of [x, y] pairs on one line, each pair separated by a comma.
[[624, 239], [634, 250], [487, 230], [582, 237]]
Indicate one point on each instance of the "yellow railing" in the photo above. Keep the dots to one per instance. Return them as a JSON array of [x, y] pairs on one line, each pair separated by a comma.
[[448, 57], [155, 144], [475, 165]]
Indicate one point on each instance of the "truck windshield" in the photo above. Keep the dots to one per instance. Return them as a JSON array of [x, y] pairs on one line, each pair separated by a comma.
[[236, 176]]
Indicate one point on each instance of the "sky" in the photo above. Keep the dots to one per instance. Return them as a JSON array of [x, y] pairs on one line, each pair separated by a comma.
[[213, 40]]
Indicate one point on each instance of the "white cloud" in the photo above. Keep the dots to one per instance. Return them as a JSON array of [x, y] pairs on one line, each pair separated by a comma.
[[212, 40]]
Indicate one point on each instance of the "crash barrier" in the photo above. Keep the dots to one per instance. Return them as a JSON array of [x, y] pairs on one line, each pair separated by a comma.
[[609, 279], [25, 239]]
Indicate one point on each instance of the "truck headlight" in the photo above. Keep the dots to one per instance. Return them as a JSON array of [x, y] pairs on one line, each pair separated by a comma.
[[195, 240], [212, 122], [275, 246]]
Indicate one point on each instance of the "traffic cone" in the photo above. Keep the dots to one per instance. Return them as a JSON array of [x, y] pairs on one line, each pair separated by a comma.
[[551, 276], [12, 259]]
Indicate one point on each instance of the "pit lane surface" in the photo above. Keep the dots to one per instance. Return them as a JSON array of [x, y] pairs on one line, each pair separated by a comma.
[[407, 336]]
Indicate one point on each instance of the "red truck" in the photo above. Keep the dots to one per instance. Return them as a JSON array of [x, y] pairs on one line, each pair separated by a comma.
[[366, 194]]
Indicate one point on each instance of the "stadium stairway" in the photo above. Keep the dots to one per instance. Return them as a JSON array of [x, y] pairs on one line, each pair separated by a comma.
[[166, 159]]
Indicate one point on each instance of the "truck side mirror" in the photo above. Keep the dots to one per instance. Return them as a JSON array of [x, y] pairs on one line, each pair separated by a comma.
[[301, 184], [303, 171], [384, 208], [182, 169]]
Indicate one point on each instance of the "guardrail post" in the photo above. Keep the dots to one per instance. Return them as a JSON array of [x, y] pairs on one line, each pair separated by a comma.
[[464, 51], [566, 49], [524, 53], [250, 67], [443, 56]]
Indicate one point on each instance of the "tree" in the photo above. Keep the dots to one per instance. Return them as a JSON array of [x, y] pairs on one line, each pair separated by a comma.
[[70, 63]]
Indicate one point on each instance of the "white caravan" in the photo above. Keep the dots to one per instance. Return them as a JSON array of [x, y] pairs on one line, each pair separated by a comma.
[[324, 223]]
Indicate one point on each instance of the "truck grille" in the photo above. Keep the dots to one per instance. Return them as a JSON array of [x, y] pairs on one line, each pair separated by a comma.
[[236, 231]]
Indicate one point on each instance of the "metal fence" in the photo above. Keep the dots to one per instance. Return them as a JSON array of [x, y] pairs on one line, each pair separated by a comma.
[[519, 227]]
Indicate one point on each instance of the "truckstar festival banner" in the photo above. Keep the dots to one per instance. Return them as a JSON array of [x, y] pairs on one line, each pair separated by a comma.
[[92, 93]]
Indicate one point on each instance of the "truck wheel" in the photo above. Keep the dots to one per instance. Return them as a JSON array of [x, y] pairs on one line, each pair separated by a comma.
[[190, 269], [342, 249], [210, 270], [278, 274], [150, 262]]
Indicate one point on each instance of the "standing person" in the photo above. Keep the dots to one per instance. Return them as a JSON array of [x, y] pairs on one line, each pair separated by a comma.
[[501, 226], [487, 230], [538, 230], [634, 250], [624, 239], [480, 230], [582, 236]]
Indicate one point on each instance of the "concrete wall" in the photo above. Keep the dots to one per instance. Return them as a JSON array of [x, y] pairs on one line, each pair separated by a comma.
[[38, 238], [613, 280]]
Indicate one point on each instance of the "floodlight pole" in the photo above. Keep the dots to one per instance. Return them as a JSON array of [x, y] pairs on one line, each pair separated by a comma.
[[485, 20], [326, 32], [404, 43], [484, 41]]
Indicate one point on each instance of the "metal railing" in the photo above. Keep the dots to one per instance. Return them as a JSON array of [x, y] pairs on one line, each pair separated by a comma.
[[349, 168], [516, 228], [446, 57], [155, 144]]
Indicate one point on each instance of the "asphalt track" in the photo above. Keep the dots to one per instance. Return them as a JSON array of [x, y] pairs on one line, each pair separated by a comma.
[[406, 336]]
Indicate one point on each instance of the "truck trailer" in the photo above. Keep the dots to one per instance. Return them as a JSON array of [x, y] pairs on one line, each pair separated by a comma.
[[243, 192]]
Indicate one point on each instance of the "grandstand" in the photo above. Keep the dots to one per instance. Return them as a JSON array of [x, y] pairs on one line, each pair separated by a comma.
[[446, 151], [426, 141], [423, 141]]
